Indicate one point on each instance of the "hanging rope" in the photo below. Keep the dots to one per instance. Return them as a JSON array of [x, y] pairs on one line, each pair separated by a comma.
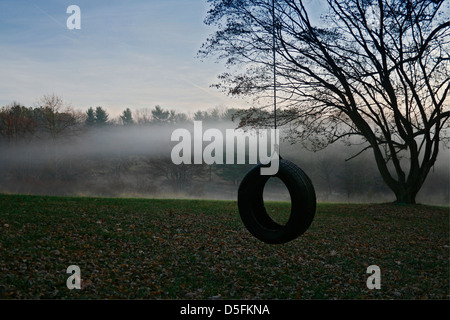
[[274, 67]]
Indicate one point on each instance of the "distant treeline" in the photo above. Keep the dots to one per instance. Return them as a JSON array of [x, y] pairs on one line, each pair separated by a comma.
[[54, 149], [51, 118]]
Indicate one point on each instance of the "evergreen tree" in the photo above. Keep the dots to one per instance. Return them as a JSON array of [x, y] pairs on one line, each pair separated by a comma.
[[90, 120], [127, 117], [101, 116], [160, 115]]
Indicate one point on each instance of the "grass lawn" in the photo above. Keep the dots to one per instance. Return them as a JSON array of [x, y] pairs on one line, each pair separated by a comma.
[[198, 249]]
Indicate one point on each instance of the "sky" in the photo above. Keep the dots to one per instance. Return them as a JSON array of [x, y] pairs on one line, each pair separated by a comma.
[[128, 54]]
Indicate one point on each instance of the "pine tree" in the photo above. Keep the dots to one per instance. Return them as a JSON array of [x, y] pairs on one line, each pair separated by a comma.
[[127, 117], [101, 116], [160, 115], [90, 120]]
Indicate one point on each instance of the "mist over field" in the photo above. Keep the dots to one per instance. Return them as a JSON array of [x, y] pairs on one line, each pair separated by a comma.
[[134, 161]]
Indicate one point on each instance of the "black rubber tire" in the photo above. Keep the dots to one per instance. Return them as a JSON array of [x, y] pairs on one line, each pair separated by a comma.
[[254, 214]]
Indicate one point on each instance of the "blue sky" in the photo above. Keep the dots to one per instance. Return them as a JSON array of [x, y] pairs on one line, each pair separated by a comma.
[[128, 53]]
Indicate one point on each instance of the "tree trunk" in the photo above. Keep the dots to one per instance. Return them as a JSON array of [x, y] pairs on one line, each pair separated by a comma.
[[405, 196], [405, 191]]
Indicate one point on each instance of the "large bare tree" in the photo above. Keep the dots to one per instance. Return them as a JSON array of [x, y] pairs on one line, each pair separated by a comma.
[[374, 72]]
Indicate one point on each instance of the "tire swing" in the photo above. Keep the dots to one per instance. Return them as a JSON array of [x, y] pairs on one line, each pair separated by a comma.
[[301, 190], [254, 214]]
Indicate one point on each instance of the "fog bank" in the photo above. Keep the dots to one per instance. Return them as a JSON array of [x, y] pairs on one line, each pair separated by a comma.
[[134, 161]]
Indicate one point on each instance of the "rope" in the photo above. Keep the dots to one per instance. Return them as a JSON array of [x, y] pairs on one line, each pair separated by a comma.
[[274, 68]]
